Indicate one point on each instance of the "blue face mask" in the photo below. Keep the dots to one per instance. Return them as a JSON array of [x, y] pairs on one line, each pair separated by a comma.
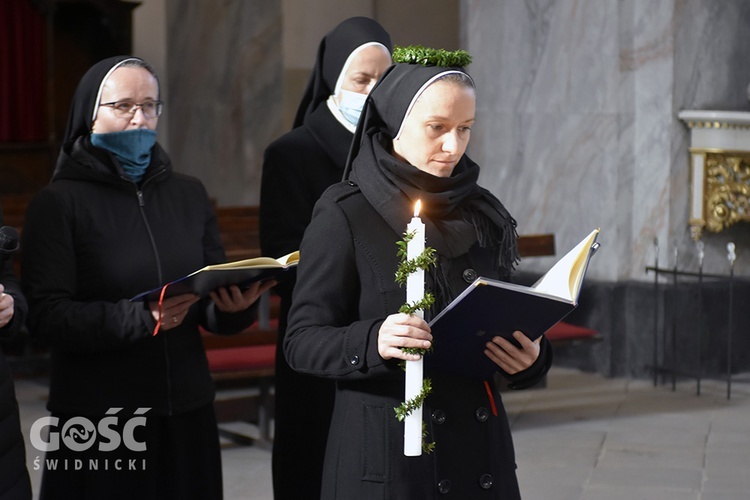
[[131, 147], [351, 104]]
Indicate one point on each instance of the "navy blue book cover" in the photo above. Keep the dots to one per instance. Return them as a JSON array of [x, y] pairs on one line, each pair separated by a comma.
[[488, 308]]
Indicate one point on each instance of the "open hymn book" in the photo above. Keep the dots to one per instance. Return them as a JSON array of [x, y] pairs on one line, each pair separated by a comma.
[[489, 308], [240, 272], [564, 279]]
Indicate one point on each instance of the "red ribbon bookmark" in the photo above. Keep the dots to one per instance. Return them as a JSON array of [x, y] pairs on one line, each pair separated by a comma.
[[161, 301]]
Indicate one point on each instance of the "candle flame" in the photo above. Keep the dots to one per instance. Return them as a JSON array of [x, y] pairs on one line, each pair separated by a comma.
[[417, 207]]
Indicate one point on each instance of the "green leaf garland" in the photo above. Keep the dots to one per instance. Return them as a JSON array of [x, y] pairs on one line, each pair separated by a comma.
[[426, 56]]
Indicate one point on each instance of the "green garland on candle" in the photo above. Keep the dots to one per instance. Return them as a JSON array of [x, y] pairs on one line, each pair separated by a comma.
[[423, 261], [406, 267]]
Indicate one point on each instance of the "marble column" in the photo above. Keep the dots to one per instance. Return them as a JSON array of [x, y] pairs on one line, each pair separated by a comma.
[[577, 122], [224, 102], [577, 128]]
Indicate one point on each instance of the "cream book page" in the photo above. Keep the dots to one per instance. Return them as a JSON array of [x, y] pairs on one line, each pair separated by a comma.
[[287, 260], [565, 277], [240, 273]]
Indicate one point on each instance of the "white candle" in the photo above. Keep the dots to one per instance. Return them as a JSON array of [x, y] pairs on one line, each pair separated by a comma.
[[414, 370]]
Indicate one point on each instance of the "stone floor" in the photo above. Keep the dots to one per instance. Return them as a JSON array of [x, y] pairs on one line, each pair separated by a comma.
[[583, 437]]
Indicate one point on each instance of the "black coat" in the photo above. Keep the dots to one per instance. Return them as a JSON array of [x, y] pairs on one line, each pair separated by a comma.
[[297, 168], [345, 289], [14, 479], [92, 240]]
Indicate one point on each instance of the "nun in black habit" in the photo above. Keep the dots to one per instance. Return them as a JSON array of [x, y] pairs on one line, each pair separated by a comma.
[[130, 394], [297, 168], [344, 324]]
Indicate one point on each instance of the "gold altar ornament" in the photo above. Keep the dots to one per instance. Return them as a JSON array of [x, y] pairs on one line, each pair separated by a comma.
[[719, 169], [727, 190]]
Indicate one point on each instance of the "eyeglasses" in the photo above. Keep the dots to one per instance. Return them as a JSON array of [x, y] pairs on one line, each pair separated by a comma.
[[126, 109]]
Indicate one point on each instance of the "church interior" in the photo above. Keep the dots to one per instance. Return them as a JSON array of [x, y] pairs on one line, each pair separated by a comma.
[[631, 116]]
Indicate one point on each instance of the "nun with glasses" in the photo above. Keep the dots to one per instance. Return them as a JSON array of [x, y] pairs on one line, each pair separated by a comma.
[[130, 393], [345, 327], [297, 168]]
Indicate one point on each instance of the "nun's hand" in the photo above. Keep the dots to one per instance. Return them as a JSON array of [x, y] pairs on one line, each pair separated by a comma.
[[231, 299], [403, 330], [173, 310], [7, 307], [509, 357]]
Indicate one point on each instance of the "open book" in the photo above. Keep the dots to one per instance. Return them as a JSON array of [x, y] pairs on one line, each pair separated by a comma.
[[240, 272], [489, 308]]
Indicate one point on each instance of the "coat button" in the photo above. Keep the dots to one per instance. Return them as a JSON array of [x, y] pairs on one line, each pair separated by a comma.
[[354, 360], [438, 416], [469, 275], [482, 414], [444, 486], [485, 482]]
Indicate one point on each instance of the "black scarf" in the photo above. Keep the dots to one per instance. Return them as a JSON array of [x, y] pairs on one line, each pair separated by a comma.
[[456, 211]]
